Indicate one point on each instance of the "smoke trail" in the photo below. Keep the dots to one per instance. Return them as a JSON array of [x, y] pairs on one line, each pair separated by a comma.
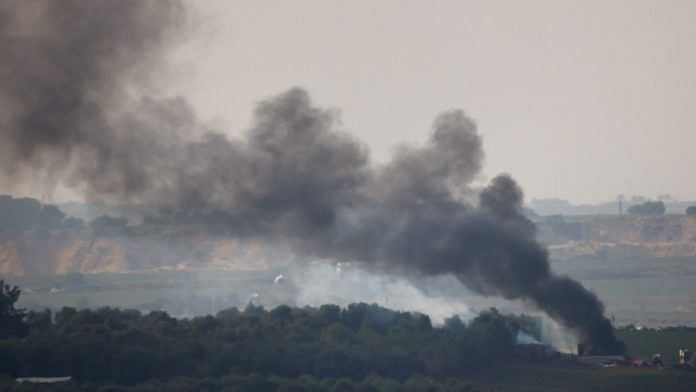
[[74, 107]]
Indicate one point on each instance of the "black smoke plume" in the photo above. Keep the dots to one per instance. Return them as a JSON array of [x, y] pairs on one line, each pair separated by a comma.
[[75, 109]]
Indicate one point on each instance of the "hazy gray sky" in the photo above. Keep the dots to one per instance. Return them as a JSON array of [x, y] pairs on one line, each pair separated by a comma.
[[581, 100]]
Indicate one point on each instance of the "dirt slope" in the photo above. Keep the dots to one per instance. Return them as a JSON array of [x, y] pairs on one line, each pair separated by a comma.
[[621, 236]]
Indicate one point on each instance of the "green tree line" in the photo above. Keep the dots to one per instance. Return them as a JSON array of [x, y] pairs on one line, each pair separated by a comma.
[[354, 343]]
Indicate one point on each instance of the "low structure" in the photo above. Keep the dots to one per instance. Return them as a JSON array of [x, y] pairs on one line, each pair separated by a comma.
[[600, 360], [44, 380]]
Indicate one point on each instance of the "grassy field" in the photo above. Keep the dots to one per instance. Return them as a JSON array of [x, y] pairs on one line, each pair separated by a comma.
[[651, 292], [509, 377], [524, 377], [641, 291], [644, 343], [185, 293]]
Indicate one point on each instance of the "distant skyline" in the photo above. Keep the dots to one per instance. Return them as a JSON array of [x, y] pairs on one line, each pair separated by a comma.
[[577, 100]]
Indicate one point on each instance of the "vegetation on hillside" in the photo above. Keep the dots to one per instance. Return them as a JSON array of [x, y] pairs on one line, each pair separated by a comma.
[[25, 213], [127, 347], [11, 318]]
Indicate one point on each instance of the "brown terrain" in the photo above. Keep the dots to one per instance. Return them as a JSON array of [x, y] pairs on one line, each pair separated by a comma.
[[620, 236], [147, 247], [178, 247]]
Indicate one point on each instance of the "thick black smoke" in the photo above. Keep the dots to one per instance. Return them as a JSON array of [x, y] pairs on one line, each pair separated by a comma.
[[74, 76], [68, 70]]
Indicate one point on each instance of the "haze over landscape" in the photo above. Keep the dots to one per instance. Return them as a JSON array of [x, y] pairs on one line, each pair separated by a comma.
[[577, 100]]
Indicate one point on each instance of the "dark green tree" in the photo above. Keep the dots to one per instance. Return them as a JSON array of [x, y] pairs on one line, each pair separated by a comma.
[[11, 318], [106, 224], [647, 208]]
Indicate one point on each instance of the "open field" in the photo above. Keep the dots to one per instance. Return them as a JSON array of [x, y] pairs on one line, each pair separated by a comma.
[[520, 378], [182, 293], [523, 377], [644, 343], [640, 291]]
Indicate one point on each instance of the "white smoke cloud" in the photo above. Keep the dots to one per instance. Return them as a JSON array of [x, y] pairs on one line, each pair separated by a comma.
[[340, 284]]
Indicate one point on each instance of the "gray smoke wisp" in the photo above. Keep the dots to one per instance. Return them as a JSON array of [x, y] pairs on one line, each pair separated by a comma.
[[75, 108]]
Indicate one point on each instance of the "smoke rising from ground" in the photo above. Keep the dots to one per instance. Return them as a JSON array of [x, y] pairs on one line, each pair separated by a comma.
[[78, 108], [318, 284]]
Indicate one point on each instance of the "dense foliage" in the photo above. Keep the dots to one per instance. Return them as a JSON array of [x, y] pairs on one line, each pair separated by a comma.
[[358, 348], [103, 223], [329, 343], [25, 213], [11, 318], [647, 208]]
